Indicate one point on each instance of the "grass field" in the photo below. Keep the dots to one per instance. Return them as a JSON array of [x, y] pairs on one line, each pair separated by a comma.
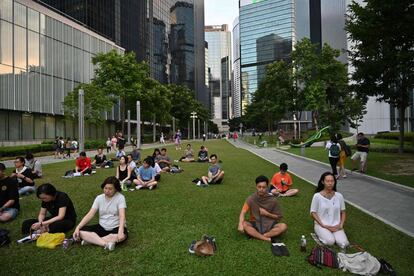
[[389, 166], [162, 223]]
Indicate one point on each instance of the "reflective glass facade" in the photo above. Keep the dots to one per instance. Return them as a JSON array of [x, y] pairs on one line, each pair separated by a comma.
[[266, 35], [236, 83], [43, 56]]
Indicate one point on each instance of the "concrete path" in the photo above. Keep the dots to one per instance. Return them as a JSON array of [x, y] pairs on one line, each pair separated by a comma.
[[50, 159], [389, 202]]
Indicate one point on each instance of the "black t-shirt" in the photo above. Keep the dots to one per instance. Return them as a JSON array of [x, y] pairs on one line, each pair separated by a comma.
[[61, 200], [99, 159], [121, 142], [22, 182], [363, 141], [8, 190]]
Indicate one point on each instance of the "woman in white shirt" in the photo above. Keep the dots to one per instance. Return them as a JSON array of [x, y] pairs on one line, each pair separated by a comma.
[[112, 223], [328, 212]]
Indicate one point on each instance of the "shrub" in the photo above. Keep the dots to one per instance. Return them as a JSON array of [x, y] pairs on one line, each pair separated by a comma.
[[408, 136]]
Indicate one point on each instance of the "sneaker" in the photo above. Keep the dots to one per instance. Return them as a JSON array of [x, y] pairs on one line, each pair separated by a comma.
[[151, 187], [86, 174], [83, 242], [344, 176], [110, 246], [131, 189], [191, 248], [93, 172], [138, 187], [199, 183]]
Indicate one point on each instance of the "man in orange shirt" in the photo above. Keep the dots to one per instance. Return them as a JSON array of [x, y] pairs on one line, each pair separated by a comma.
[[281, 182], [83, 164], [265, 213]]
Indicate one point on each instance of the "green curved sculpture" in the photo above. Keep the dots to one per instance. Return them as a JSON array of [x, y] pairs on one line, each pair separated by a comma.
[[315, 137]]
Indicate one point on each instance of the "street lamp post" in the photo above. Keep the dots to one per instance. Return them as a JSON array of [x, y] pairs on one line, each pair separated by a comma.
[[129, 126], [81, 120], [138, 124], [193, 116]]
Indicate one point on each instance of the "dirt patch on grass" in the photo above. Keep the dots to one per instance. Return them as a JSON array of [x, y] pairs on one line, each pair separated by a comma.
[[400, 168]]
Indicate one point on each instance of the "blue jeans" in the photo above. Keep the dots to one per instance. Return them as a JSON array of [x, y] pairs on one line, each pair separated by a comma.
[[26, 190]]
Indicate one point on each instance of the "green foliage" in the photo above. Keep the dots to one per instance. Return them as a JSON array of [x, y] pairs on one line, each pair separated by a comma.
[[383, 52], [408, 136]]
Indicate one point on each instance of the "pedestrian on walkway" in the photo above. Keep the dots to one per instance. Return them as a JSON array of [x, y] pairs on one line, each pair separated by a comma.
[[114, 142], [334, 150], [108, 145], [345, 152], [162, 138], [361, 154], [328, 212]]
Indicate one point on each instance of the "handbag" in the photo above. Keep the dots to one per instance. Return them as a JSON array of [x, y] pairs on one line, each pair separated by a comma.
[[206, 247], [49, 240]]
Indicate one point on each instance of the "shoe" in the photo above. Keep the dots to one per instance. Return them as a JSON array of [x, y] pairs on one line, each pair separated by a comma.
[[83, 242], [86, 174], [361, 172], [138, 187], [191, 248], [199, 183], [151, 187], [93, 172], [131, 190], [344, 176], [110, 246]]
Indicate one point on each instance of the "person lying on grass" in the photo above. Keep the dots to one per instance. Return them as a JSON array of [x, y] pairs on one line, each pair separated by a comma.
[[111, 229], [146, 175], [188, 154], [215, 175], [62, 214], [281, 182], [328, 212], [265, 214]]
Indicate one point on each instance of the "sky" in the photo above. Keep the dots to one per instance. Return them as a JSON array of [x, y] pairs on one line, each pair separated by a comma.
[[217, 12]]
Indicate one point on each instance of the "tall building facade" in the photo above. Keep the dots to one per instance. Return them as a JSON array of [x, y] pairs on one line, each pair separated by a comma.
[[44, 56], [168, 34], [238, 104], [218, 38]]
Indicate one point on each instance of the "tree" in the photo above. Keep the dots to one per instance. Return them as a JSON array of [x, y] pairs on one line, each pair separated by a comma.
[[95, 101], [321, 81], [383, 53], [120, 75]]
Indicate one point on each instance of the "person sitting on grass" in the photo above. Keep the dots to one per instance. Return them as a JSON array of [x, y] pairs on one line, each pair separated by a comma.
[[34, 165], [60, 208], [24, 177], [146, 176], [188, 154], [328, 212], [111, 229], [136, 155], [265, 214], [123, 173], [9, 196], [100, 159], [131, 162], [215, 175], [281, 182], [118, 154], [203, 155], [83, 164], [163, 160]]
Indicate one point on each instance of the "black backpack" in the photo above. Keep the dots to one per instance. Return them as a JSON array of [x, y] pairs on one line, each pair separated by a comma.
[[334, 150], [4, 237]]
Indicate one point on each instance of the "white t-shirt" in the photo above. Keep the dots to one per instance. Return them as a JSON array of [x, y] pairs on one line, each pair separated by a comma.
[[157, 168], [109, 210], [328, 210], [132, 165]]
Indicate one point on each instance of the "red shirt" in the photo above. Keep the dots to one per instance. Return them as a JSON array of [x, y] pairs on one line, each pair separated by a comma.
[[277, 181], [83, 163]]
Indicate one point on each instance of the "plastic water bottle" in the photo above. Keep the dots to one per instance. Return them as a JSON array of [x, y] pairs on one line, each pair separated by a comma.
[[303, 244]]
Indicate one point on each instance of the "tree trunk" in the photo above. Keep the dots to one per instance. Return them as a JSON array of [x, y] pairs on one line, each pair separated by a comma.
[[154, 129], [122, 107], [401, 120], [315, 119]]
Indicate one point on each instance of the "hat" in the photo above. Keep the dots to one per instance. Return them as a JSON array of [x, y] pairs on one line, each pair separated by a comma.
[[2, 167]]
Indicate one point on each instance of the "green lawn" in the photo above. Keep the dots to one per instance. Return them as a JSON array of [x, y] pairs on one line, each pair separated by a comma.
[[162, 223], [390, 166]]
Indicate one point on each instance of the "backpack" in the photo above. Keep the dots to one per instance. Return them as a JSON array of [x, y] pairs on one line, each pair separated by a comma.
[[386, 268], [4, 237], [321, 255], [334, 150]]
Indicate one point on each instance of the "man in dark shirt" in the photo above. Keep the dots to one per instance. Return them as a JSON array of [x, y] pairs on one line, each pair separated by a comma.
[[203, 155], [100, 159], [362, 146], [9, 197], [24, 177], [121, 141]]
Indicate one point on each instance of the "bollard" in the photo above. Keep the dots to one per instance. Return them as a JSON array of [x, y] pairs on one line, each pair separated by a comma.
[[302, 151]]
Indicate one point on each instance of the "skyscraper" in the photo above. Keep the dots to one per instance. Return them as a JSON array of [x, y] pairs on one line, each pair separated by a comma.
[[236, 84], [219, 61]]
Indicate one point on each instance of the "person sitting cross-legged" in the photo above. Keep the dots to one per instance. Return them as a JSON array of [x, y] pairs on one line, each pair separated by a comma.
[[111, 229], [83, 164], [281, 182], [24, 177], [265, 214], [203, 155], [163, 160], [188, 154], [146, 175], [9, 197], [215, 175]]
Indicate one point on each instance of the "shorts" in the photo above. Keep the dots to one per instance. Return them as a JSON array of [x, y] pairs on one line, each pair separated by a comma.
[[13, 212], [255, 226], [360, 155], [101, 232]]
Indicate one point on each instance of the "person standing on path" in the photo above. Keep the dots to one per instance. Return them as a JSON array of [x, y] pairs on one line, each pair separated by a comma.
[[362, 146], [162, 138], [334, 150], [328, 212], [343, 155]]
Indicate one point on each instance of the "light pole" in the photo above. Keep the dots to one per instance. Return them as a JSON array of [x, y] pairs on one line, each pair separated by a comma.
[[129, 126], [138, 124], [193, 116], [81, 120]]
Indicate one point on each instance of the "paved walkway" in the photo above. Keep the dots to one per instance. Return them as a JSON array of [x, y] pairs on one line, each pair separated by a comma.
[[50, 159], [389, 202]]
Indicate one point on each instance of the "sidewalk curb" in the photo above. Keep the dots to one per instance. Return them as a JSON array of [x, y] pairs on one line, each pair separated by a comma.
[[409, 233]]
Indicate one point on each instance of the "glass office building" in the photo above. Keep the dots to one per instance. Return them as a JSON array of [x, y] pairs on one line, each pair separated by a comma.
[[43, 56], [238, 104]]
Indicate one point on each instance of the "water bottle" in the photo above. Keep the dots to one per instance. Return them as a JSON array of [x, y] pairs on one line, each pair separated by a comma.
[[303, 244]]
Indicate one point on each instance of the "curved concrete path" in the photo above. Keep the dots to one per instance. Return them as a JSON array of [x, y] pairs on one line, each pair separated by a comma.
[[387, 201]]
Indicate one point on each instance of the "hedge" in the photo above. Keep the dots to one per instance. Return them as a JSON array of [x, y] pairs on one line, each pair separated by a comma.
[[408, 136], [45, 146]]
